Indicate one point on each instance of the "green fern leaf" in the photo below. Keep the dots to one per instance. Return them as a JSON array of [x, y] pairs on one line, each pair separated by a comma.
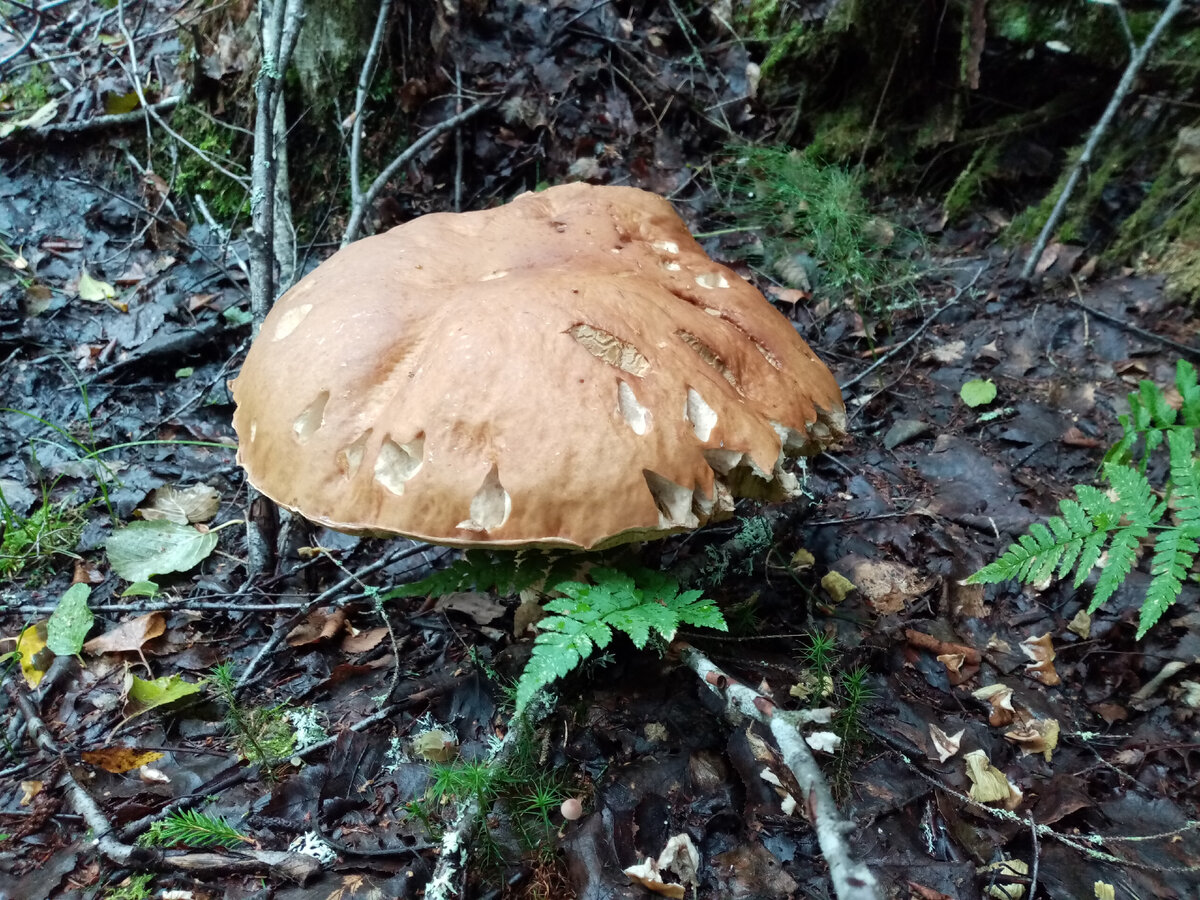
[[1122, 553], [1136, 501], [1174, 552], [641, 603], [1189, 392]]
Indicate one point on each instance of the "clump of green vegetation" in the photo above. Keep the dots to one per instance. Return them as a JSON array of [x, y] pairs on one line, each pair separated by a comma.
[[27, 94], [135, 887], [30, 542], [226, 199], [643, 604], [262, 734], [522, 793], [192, 828], [1112, 524], [817, 229]]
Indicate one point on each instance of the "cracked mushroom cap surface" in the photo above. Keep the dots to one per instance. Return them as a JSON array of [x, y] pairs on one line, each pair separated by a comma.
[[570, 369]]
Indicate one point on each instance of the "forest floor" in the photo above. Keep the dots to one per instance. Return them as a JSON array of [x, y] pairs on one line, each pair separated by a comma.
[[109, 398]]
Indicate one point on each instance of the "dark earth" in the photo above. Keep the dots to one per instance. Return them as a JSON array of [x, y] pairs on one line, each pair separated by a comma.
[[107, 400]]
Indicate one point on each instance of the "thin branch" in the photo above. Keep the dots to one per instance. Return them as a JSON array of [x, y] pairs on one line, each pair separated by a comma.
[[1136, 61], [851, 879], [360, 102], [359, 211], [917, 333]]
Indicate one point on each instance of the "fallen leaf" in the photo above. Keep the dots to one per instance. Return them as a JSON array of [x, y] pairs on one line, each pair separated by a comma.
[[944, 745], [318, 625], [949, 352], [435, 745], [141, 550], [183, 506], [646, 874], [35, 657], [482, 608], [837, 586], [93, 290], [1035, 736], [119, 759], [70, 622], [1012, 891], [999, 696], [681, 857], [1081, 624], [29, 790], [143, 696], [1041, 651], [129, 636], [363, 641]]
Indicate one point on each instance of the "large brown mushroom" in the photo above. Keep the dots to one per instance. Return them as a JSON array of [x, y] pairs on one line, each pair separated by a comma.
[[569, 369]]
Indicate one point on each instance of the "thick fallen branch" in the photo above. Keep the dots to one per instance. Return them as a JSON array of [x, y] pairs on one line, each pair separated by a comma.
[[851, 879], [277, 863]]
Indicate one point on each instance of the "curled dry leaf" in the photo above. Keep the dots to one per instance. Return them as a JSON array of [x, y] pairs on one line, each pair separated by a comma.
[[1081, 624], [1035, 736], [944, 745], [1012, 868], [183, 506], [999, 696], [646, 874], [1041, 651], [989, 784], [435, 745], [681, 857], [319, 625]]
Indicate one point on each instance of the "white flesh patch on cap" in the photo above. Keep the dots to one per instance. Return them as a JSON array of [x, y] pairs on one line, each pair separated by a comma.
[[709, 355], [311, 419], [491, 505], [702, 416], [666, 246], [723, 461], [636, 416], [291, 320], [672, 266], [492, 276], [611, 349], [396, 463], [710, 280], [349, 458], [674, 502]]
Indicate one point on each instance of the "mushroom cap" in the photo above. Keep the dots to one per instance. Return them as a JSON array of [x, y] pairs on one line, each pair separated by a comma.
[[569, 369]]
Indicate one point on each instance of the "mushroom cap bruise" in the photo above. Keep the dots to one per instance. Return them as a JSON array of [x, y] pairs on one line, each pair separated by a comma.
[[569, 369]]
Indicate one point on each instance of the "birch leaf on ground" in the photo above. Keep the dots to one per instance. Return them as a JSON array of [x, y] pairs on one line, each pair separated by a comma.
[[70, 622], [142, 550]]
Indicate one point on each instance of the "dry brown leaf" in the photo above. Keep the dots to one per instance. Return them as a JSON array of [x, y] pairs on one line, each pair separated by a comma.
[[319, 625], [888, 585], [945, 745], [999, 696], [1041, 651], [482, 608], [183, 506], [989, 784], [1035, 736], [1081, 624], [129, 637], [362, 641]]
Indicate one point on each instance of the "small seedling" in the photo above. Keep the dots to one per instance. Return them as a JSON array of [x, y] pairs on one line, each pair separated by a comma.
[[261, 734], [1105, 529], [30, 542], [135, 887]]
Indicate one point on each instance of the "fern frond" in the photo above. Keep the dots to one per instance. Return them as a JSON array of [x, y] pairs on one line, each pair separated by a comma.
[[1189, 393], [1122, 554], [1136, 501], [1174, 552], [640, 603]]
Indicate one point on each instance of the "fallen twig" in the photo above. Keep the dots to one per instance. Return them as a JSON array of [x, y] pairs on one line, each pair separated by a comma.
[[278, 863], [359, 211], [917, 333], [1136, 61], [1077, 301], [851, 879]]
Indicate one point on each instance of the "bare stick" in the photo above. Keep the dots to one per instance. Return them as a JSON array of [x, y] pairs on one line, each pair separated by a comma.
[[359, 212], [279, 24], [1136, 61], [360, 102], [851, 879]]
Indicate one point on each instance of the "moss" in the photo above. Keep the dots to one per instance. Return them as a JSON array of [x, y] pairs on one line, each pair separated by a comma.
[[971, 184], [24, 96], [225, 198]]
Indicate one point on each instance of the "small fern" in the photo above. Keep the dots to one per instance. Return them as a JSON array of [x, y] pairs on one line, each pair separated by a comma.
[[191, 828], [503, 573], [641, 603], [1112, 524]]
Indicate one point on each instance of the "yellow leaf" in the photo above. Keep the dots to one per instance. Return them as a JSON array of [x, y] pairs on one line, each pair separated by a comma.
[[119, 759], [94, 290], [35, 658]]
